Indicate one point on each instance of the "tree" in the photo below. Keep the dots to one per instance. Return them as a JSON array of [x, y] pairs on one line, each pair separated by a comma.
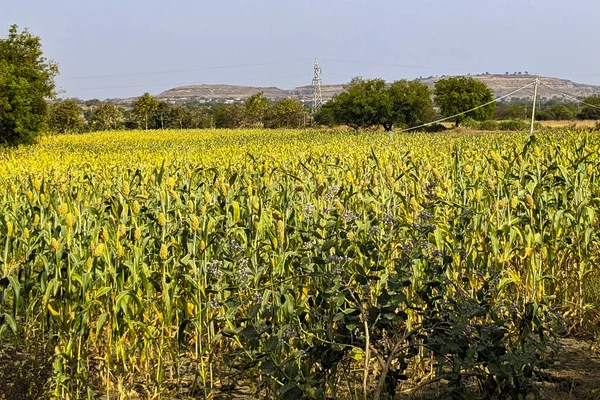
[[256, 107], [286, 113], [229, 116], [364, 103], [326, 115], [65, 116], [459, 94], [591, 108], [198, 117], [26, 81], [106, 117], [411, 103], [511, 111], [179, 117], [144, 107], [159, 119]]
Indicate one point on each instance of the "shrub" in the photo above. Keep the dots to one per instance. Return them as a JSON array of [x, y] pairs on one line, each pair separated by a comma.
[[513, 125]]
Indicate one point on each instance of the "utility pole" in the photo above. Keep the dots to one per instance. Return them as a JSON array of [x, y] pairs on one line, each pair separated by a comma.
[[537, 82], [316, 85]]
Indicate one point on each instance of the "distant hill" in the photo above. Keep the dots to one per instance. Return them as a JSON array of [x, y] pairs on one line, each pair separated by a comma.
[[500, 84]]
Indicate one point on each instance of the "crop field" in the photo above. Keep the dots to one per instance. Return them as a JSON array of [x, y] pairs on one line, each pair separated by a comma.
[[294, 264]]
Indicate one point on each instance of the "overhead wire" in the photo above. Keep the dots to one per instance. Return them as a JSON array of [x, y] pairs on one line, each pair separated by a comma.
[[568, 95], [467, 111]]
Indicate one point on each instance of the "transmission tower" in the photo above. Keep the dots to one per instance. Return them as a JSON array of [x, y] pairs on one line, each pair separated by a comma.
[[316, 84]]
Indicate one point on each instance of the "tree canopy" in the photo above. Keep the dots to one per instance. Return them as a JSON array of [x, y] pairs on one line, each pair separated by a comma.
[[459, 94], [591, 108], [26, 81], [372, 102], [65, 117], [106, 117], [144, 107], [286, 113]]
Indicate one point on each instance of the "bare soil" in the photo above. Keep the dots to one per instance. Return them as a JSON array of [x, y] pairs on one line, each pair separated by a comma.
[[573, 373]]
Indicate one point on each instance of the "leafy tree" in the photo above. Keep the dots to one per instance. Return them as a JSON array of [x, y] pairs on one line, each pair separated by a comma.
[[65, 116], [364, 103], [106, 117], [144, 107], [26, 80], [256, 108], [198, 117], [591, 108], [511, 111], [326, 115], [459, 94], [411, 103], [179, 117], [160, 117], [286, 113], [229, 116]]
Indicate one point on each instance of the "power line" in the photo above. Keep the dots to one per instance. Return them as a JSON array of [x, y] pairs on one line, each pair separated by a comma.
[[188, 84], [184, 70], [468, 111], [568, 95]]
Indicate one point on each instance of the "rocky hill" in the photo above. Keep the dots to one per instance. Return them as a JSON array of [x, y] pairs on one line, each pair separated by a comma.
[[500, 84]]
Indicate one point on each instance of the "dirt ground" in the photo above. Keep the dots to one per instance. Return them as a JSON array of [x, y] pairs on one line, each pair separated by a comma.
[[574, 373]]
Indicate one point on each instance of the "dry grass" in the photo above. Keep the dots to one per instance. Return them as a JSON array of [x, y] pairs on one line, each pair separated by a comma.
[[578, 124]]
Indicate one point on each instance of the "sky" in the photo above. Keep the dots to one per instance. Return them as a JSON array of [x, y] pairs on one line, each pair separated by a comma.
[[108, 48]]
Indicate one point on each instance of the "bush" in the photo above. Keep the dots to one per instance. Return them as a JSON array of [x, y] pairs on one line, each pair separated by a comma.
[[489, 125], [434, 128], [513, 125]]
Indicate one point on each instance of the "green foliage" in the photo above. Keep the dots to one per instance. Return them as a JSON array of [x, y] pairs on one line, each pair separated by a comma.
[[256, 109], [411, 103], [326, 115], [514, 125], [556, 112], [459, 94], [364, 103], [367, 103], [143, 109], [229, 116], [26, 80], [286, 113], [106, 117], [65, 117], [591, 110], [511, 111]]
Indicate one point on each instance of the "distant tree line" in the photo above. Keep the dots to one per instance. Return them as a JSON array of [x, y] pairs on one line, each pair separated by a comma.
[[150, 113]]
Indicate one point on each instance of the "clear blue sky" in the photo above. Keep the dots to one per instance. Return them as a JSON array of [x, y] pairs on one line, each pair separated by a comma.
[[187, 39]]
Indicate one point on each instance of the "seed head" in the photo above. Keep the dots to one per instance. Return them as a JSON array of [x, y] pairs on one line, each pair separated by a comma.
[[138, 233], [280, 231], [99, 250], [62, 209], [529, 201], [54, 244], [164, 252], [69, 220], [190, 206], [161, 219], [195, 223], [135, 207], [514, 202]]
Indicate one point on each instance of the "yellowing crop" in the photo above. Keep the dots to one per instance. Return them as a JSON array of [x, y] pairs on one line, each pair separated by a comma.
[[162, 262]]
